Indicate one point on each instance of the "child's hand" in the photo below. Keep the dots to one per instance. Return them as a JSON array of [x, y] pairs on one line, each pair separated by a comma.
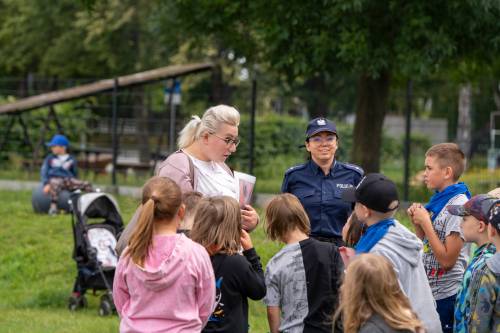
[[420, 215], [249, 218], [411, 210], [347, 254], [46, 189], [246, 240]]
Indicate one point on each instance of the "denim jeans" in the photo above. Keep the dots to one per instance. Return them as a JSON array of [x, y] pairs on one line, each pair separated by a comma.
[[446, 309]]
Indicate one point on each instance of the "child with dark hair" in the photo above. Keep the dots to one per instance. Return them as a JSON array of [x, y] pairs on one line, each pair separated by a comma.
[[304, 277], [351, 234], [164, 281]]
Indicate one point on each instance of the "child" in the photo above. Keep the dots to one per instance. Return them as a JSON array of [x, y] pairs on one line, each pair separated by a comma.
[[444, 255], [189, 199], [59, 172], [217, 226], [376, 199], [475, 229], [372, 300], [351, 234], [486, 316], [163, 281], [303, 278]]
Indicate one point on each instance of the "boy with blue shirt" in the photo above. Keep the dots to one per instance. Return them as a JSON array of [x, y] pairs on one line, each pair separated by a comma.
[[376, 201], [444, 253], [59, 172], [475, 229]]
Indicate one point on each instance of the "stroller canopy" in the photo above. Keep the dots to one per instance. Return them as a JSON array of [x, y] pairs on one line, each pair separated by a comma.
[[100, 205]]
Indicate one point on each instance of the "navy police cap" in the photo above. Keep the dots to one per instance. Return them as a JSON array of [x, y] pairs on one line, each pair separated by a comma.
[[318, 125]]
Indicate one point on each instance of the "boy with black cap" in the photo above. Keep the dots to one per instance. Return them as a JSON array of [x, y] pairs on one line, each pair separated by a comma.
[[59, 171], [376, 201], [475, 229]]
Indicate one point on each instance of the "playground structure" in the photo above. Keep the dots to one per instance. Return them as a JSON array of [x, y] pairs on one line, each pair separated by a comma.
[[15, 110]]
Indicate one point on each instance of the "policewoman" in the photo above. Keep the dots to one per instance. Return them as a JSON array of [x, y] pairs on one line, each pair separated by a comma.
[[319, 182]]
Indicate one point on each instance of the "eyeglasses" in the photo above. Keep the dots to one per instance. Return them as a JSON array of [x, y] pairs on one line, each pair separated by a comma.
[[228, 141], [319, 139]]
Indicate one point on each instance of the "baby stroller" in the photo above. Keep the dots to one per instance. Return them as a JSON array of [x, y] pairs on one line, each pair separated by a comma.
[[97, 225]]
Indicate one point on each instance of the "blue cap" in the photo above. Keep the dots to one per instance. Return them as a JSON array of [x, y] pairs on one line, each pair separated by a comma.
[[318, 125], [58, 140]]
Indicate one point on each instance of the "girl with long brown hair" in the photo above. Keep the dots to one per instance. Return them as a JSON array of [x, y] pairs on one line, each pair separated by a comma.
[[163, 281], [372, 300], [217, 226]]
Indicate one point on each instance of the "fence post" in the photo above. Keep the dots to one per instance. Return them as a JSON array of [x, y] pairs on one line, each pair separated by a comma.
[[114, 134]]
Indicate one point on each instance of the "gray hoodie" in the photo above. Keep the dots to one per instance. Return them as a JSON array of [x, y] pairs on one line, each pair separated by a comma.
[[404, 250]]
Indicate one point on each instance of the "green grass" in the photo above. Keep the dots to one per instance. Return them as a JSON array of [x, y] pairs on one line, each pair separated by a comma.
[[37, 272]]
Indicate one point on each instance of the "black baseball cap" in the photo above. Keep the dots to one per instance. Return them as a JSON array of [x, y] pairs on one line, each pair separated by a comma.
[[318, 125], [375, 191]]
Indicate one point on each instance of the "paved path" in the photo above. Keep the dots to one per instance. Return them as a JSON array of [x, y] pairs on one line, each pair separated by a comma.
[[20, 185]]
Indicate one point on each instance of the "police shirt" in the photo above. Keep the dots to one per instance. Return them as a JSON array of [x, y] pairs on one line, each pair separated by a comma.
[[320, 194]]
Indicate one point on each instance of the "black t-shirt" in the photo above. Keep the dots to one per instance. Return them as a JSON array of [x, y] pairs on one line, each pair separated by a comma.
[[236, 277]]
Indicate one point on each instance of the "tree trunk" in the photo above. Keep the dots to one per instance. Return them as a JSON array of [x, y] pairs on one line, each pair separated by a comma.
[[370, 113], [217, 86], [317, 96], [496, 95], [464, 119]]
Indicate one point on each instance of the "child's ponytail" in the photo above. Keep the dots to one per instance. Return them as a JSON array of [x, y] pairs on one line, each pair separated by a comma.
[[161, 200], [142, 236]]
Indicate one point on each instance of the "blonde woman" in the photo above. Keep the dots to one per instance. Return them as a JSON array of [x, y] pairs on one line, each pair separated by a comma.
[[199, 165], [372, 301], [217, 226]]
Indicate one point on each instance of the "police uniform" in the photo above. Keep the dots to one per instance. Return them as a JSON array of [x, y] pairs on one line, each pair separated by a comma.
[[320, 195]]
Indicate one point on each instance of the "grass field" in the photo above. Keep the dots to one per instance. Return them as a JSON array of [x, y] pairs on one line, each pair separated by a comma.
[[37, 272]]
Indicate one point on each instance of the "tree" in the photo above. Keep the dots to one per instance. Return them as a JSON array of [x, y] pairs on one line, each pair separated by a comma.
[[373, 39]]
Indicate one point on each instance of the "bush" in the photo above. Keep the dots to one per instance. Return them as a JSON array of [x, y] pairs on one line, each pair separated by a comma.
[[277, 147]]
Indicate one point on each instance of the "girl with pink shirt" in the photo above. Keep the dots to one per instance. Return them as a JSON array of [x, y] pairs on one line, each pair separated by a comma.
[[164, 282]]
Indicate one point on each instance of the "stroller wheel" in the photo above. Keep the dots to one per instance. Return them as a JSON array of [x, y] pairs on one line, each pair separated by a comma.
[[105, 308], [77, 302]]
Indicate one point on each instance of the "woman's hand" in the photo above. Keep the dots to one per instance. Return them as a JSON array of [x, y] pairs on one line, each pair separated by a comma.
[[249, 218], [246, 240]]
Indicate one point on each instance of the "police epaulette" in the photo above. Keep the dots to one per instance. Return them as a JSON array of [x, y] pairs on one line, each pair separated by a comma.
[[354, 167], [295, 168]]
